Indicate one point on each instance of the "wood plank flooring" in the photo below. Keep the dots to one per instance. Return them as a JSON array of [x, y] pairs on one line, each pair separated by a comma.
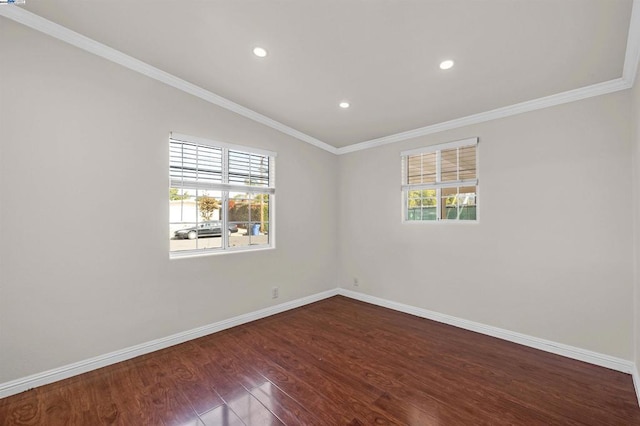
[[336, 362]]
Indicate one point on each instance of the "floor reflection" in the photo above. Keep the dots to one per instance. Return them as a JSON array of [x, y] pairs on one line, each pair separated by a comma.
[[221, 416], [243, 408]]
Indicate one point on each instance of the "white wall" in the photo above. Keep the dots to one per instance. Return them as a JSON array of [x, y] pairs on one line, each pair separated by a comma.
[[636, 191], [79, 275], [550, 256]]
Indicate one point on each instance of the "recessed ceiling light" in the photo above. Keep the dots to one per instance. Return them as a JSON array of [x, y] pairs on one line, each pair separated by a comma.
[[259, 52], [445, 65], [344, 104]]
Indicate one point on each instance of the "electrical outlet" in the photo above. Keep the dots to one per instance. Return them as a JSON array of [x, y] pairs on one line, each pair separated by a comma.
[[356, 282], [275, 293]]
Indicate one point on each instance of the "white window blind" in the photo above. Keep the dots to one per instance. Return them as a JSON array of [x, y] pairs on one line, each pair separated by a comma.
[[223, 166], [192, 165]]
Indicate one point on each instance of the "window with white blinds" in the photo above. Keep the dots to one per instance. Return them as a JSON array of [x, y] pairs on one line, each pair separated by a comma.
[[440, 182], [221, 196]]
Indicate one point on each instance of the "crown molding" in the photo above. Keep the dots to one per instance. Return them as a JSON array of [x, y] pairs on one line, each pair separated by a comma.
[[535, 104], [52, 29], [632, 57], [630, 67]]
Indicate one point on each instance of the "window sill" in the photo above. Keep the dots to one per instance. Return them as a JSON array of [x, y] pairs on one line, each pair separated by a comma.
[[441, 222], [205, 253]]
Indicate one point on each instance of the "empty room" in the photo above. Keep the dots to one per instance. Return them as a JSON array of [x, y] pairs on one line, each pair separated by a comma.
[[341, 212]]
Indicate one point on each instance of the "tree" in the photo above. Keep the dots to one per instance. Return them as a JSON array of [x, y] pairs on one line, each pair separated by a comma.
[[425, 198], [207, 206], [174, 196]]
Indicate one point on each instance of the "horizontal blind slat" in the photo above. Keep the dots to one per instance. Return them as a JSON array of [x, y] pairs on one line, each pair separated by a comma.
[[215, 186], [450, 184]]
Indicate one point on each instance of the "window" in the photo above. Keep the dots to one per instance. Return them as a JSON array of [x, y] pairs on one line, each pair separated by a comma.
[[221, 196], [440, 182]]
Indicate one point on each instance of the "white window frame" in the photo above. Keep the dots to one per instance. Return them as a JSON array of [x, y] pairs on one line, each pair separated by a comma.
[[438, 185], [225, 187]]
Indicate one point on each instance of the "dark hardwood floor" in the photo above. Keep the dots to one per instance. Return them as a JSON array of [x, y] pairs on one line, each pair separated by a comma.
[[336, 362]]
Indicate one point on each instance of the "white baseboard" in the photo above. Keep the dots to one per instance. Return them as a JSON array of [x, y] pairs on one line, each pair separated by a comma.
[[20, 385], [511, 336], [636, 382]]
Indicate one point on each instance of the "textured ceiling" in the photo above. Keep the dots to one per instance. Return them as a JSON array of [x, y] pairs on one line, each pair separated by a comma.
[[381, 55]]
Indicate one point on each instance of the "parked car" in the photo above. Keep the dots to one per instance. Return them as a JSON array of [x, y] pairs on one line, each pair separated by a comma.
[[205, 229]]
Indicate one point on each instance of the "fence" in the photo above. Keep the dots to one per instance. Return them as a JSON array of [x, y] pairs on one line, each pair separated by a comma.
[[430, 213]]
